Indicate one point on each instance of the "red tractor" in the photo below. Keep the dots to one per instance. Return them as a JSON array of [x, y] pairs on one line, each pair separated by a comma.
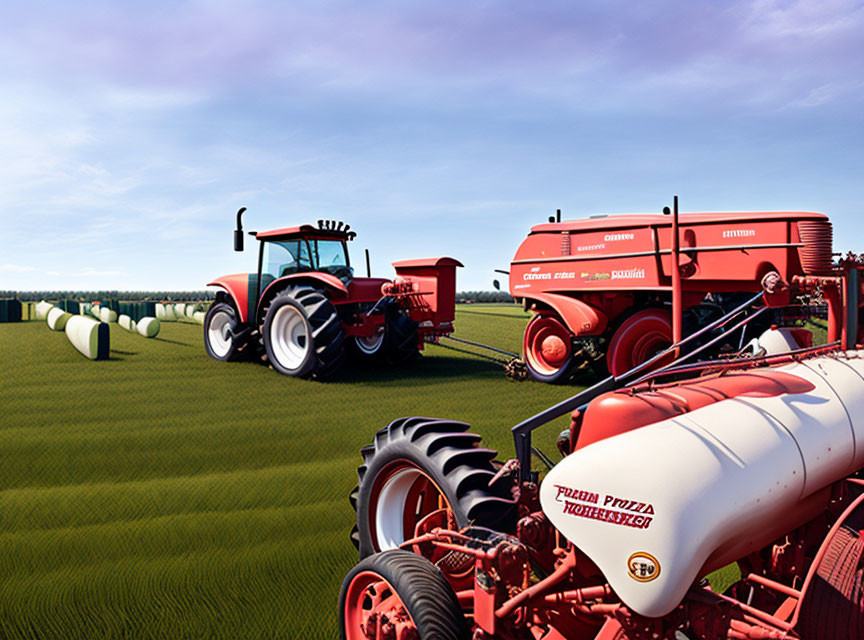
[[603, 290], [709, 500], [304, 308]]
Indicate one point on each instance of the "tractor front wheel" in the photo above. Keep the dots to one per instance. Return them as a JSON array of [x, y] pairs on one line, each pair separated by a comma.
[[424, 469], [219, 339], [302, 335], [399, 595]]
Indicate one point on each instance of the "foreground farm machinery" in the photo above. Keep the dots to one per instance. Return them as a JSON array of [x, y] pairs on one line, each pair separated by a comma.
[[305, 308], [744, 470], [604, 294]]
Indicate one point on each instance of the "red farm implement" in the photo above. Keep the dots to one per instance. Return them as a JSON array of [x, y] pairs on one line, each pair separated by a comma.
[[604, 293], [710, 499], [304, 307]]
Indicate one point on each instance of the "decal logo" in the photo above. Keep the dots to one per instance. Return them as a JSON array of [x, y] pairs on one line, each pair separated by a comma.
[[559, 275], [617, 511], [739, 233], [643, 567], [612, 237], [591, 247], [591, 277], [629, 274], [537, 276]]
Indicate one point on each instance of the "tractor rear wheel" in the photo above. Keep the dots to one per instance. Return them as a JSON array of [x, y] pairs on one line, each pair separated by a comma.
[[417, 467], [368, 348], [548, 349], [219, 339], [399, 595], [639, 338], [302, 335], [400, 336]]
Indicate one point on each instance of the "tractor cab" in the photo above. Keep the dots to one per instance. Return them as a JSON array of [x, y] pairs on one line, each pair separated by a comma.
[[305, 249]]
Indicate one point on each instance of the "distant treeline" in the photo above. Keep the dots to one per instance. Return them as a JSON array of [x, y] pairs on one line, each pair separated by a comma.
[[189, 296], [483, 296], [92, 296]]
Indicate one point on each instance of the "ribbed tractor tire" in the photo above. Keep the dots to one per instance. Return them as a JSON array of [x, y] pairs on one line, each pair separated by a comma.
[[400, 336], [416, 461], [219, 324], [421, 591], [319, 351]]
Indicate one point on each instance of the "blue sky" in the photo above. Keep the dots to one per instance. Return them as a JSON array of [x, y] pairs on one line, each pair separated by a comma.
[[132, 132]]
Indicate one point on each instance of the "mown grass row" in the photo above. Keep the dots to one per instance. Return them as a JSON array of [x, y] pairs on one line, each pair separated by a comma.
[[163, 494]]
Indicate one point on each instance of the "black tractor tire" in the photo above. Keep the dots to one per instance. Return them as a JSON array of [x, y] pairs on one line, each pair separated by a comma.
[[220, 322], [395, 344], [370, 349], [400, 336], [424, 591], [444, 453], [321, 350]]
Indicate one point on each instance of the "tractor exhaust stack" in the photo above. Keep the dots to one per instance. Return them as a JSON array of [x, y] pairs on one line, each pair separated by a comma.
[[238, 232]]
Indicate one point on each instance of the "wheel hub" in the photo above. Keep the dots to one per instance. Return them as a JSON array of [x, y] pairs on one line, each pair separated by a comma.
[[553, 350]]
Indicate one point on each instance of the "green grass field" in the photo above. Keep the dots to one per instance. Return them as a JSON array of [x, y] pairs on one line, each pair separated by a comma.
[[162, 494]]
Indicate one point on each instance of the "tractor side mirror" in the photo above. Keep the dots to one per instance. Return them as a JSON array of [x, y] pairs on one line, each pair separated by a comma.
[[497, 285], [238, 232]]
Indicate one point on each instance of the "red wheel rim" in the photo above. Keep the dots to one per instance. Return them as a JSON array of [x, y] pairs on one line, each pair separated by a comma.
[[548, 345], [374, 611], [402, 496], [640, 338], [648, 346]]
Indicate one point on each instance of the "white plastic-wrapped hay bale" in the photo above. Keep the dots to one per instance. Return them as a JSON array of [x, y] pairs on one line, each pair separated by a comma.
[[149, 327], [126, 322], [179, 310], [107, 315], [95, 311], [90, 337], [57, 319], [199, 317], [42, 309], [165, 312]]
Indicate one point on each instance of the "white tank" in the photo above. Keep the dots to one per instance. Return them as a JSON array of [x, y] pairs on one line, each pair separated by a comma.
[[652, 505]]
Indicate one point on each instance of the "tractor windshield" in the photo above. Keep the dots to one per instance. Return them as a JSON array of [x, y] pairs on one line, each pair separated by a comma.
[[286, 257], [330, 256]]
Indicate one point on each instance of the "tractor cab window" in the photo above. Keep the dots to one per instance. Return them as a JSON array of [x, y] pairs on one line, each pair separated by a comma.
[[330, 256], [286, 257]]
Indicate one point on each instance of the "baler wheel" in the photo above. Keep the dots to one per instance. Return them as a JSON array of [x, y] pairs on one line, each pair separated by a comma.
[[302, 334], [418, 466], [219, 326], [639, 338], [399, 595], [548, 349]]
